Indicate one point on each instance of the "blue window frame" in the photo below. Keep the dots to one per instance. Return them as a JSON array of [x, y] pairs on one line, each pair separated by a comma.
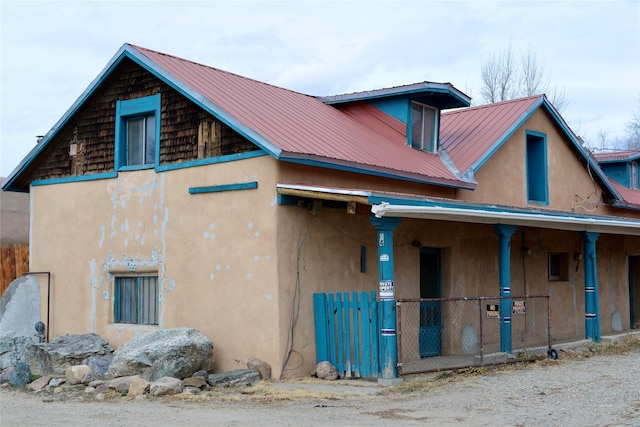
[[537, 179], [424, 127], [634, 177], [137, 133], [136, 300]]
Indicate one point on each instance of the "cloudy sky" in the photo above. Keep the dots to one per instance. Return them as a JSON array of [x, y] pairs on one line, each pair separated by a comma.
[[51, 51]]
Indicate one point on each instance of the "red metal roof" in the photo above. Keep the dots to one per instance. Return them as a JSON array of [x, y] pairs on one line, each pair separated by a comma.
[[303, 127], [617, 156], [470, 135], [629, 197]]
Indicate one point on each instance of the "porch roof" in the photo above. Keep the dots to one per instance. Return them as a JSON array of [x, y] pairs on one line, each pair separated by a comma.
[[400, 205]]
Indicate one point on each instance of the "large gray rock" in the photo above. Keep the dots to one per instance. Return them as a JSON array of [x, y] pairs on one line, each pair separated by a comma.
[[176, 353], [62, 352], [12, 348], [20, 308]]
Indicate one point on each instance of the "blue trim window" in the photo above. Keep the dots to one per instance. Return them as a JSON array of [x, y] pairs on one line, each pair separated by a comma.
[[424, 127], [136, 300], [537, 179], [137, 132]]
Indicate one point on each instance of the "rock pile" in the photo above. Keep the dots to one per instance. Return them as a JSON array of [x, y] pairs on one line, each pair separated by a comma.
[[163, 362]]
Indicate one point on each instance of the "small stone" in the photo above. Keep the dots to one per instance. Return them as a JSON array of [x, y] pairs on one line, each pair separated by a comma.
[[238, 377], [96, 383], [263, 368], [198, 382], [102, 388], [55, 382], [39, 384], [89, 390], [138, 386], [6, 374], [166, 386], [57, 390], [121, 384], [77, 374], [100, 396], [200, 373], [326, 371]]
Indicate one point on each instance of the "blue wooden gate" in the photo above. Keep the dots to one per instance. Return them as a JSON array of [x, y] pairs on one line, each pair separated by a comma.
[[347, 333]]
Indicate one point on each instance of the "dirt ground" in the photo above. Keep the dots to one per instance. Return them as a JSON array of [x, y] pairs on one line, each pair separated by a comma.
[[585, 389]]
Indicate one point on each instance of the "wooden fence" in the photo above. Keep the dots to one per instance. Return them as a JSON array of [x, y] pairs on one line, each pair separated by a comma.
[[14, 260], [347, 333]]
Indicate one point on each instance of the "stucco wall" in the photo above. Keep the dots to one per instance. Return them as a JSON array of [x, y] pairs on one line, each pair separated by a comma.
[[215, 254], [502, 179], [14, 217]]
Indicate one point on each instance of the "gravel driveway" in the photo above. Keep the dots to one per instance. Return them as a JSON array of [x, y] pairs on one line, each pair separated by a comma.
[[589, 390]]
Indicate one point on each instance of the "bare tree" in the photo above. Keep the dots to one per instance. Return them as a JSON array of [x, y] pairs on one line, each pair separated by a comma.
[[633, 130], [502, 78]]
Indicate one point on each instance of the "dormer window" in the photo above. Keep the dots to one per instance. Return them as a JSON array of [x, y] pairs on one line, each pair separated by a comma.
[[424, 127]]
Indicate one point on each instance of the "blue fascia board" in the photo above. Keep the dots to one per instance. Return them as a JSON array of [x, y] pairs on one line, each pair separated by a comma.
[[224, 187], [78, 178], [355, 168], [394, 92], [624, 205]]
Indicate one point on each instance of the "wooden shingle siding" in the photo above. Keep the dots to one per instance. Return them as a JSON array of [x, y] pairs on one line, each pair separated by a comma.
[[86, 144]]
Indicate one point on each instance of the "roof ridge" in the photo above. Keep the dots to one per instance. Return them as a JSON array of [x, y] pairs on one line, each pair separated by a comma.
[[493, 104], [141, 49]]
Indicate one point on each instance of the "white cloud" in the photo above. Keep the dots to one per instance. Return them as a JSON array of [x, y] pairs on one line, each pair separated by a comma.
[[51, 51]]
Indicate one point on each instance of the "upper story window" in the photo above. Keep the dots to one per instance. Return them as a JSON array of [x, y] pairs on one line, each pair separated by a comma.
[[141, 140], [537, 180], [424, 127], [137, 132]]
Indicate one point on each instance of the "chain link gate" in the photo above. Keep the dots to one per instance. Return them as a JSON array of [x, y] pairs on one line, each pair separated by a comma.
[[452, 333]]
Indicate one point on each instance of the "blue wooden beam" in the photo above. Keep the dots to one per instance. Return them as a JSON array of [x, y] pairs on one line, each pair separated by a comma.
[[224, 187]]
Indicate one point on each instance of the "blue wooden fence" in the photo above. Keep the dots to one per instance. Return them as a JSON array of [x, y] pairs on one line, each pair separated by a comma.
[[347, 333]]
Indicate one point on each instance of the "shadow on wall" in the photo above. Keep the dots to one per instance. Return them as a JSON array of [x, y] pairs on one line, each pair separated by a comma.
[[20, 308]]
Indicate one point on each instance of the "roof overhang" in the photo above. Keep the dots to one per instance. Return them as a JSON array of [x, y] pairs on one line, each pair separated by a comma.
[[398, 205], [445, 95], [555, 221]]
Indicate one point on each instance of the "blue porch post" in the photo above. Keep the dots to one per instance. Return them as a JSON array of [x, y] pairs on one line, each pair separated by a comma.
[[591, 305], [388, 338], [505, 232]]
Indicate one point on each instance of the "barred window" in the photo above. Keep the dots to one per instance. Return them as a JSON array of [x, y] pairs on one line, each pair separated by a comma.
[[136, 300]]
